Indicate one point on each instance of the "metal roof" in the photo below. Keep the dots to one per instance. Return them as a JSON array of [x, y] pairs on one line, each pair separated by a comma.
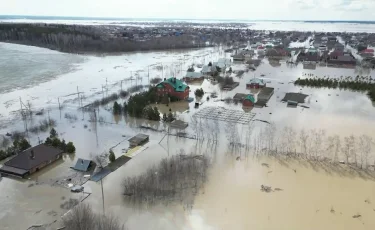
[[82, 165], [177, 84], [257, 81], [139, 138]]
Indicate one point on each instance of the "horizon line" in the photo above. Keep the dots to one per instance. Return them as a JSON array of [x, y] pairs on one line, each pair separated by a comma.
[[159, 18]]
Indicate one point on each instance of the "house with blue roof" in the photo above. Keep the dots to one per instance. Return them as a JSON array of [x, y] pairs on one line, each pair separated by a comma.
[[173, 87]]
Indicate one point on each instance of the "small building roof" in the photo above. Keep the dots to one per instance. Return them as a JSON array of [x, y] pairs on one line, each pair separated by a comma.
[[225, 61], [139, 138], [34, 156], [178, 124], [206, 69], [82, 165], [296, 97], [193, 75], [177, 84], [257, 81]]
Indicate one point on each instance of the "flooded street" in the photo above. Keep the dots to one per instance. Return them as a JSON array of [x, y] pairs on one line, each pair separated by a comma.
[[313, 195]]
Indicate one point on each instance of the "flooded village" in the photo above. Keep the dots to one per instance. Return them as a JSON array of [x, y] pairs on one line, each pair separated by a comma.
[[254, 129]]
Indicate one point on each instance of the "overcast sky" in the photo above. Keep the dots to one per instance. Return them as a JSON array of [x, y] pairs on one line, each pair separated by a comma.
[[197, 9]]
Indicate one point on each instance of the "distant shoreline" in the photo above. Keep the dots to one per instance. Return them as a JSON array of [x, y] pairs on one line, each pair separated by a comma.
[[31, 17]]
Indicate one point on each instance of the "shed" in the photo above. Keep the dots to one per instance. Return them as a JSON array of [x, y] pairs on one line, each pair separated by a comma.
[[83, 165], [139, 139], [292, 103], [178, 124]]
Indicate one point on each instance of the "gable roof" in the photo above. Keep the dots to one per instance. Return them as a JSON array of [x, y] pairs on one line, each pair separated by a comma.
[[82, 165], [206, 69], [250, 98], [42, 153], [178, 85], [256, 81]]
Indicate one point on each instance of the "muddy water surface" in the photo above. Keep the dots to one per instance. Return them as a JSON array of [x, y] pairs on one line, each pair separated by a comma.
[[310, 199]]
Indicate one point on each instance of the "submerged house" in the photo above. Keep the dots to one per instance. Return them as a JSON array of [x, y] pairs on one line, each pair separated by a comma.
[[83, 165], [31, 160], [224, 61], [367, 53], [341, 58], [173, 87], [248, 101], [193, 76], [206, 70], [138, 140], [255, 83]]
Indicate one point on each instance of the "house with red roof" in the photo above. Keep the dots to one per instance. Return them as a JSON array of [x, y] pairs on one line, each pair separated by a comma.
[[367, 53], [173, 87]]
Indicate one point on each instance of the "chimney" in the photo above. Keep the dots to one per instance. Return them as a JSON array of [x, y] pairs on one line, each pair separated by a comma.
[[32, 156], [82, 162], [165, 79]]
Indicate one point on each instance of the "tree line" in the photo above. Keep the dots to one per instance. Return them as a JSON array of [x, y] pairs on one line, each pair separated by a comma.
[[81, 39], [138, 106], [312, 144], [359, 85]]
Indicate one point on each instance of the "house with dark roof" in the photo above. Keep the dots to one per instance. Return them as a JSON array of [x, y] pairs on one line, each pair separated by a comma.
[[341, 58], [138, 140], [31, 160], [173, 87]]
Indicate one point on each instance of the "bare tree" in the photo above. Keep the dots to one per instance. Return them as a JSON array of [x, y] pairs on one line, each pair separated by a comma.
[[346, 149], [270, 135], [364, 148], [318, 137], [249, 131], [177, 178], [82, 217], [303, 141], [330, 146], [337, 146], [352, 149]]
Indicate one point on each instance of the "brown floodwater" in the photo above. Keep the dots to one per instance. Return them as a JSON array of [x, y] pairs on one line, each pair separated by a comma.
[[311, 198], [231, 198]]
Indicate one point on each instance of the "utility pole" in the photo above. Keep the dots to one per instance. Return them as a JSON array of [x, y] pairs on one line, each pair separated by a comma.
[[148, 75], [101, 184]]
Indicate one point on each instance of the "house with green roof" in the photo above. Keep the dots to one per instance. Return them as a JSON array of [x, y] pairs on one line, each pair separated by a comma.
[[173, 87], [248, 101]]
